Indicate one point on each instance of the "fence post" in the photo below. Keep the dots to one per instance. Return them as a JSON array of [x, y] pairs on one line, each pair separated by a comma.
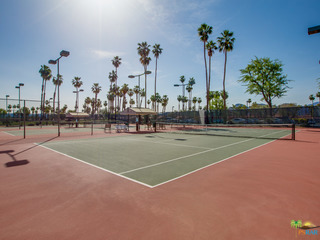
[[24, 118]]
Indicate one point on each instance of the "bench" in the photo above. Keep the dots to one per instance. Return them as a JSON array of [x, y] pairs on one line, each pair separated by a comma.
[[122, 127], [107, 126]]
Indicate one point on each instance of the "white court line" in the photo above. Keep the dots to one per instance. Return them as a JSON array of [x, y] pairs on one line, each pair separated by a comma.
[[194, 154], [9, 134], [92, 165]]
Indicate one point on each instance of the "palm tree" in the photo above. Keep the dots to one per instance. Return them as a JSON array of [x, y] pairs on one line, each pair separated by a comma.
[[130, 93], [248, 102], [136, 90], [311, 98], [203, 32], [165, 101], [56, 83], [148, 102], [96, 89], [113, 78], [194, 101], [191, 82], [189, 89], [131, 102], [225, 42], [143, 51], [179, 98], [182, 80], [143, 95], [124, 90], [199, 101], [158, 101], [77, 83], [156, 52], [46, 75], [318, 96], [116, 62], [153, 100], [211, 46], [110, 97]]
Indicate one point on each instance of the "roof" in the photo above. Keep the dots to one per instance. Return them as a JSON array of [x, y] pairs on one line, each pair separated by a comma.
[[138, 111], [77, 115]]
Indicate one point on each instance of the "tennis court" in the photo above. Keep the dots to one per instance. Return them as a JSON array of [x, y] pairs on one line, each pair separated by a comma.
[[160, 185], [157, 158]]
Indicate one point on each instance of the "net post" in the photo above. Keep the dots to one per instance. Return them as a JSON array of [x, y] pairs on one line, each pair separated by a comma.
[[293, 131], [92, 127], [24, 118]]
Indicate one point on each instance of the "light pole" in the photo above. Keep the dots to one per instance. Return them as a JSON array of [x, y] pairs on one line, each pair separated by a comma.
[[19, 87], [139, 75], [7, 103], [183, 91], [63, 53], [77, 98]]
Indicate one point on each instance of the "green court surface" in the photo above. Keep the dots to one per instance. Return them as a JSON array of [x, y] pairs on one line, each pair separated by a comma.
[[154, 159]]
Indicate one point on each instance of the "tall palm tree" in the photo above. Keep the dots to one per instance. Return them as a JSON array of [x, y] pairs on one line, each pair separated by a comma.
[[130, 93], [165, 101], [113, 78], [116, 62], [110, 97], [77, 83], [143, 51], [153, 100], [179, 98], [194, 101], [199, 102], [96, 89], [148, 102], [249, 102], [203, 32], [318, 96], [211, 46], [156, 52], [225, 42], [124, 89], [143, 95], [191, 82], [158, 101], [136, 90], [311, 98], [189, 89], [182, 80], [46, 75], [57, 83]]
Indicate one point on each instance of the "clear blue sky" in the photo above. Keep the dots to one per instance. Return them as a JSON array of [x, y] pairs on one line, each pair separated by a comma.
[[94, 31]]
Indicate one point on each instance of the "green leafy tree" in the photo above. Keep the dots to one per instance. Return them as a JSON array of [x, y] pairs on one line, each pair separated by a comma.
[[264, 77], [225, 43], [77, 83], [199, 102], [179, 98]]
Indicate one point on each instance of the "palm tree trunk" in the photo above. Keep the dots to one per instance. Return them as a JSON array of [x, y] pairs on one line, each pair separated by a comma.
[[44, 94], [205, 64], [209, 74], [54, 99], [155, 79], [145, 77], [224, 80], [42, 87]]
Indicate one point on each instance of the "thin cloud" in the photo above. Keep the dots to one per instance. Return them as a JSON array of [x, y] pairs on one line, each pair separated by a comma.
[[105, 54]]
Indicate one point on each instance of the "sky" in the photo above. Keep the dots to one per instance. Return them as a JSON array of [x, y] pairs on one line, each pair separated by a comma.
[[94, 31]]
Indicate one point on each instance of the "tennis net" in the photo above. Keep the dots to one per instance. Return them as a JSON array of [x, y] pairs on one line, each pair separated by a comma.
[[263, 131]]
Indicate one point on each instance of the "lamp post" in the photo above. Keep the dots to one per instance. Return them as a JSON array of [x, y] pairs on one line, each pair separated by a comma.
[[183, 91], [77, 98], [19, 87], [7, 103], [63, 53], [139, 75]]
